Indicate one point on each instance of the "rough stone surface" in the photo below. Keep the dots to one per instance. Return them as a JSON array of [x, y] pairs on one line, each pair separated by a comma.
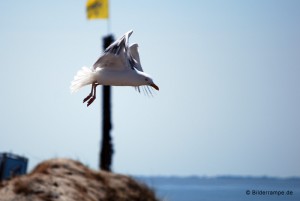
[[69, 180]]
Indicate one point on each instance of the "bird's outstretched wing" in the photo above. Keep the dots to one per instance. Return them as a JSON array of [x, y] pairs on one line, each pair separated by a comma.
[[116, 56], [118, 45], [135, 54], [138, 66], [111, 61]]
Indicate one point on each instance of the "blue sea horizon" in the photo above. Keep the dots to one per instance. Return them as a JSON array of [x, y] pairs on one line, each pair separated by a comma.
[[224, 188]]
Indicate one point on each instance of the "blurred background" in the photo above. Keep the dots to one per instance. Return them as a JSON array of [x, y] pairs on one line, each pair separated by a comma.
[[228, 73]]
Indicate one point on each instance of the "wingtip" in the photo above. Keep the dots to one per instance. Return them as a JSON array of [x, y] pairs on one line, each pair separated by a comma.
[[130, 32], [134, 45]]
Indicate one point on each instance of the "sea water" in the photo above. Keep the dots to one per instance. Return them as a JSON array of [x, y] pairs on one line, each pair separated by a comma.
[[224, 188]]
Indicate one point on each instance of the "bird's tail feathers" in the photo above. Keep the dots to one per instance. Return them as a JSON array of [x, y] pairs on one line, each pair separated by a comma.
[[84, 76]]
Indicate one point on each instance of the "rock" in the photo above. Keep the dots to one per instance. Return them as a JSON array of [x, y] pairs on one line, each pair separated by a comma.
[[69, 180]]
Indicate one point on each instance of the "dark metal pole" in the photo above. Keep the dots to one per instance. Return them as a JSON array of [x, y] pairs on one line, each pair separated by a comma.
[[106, 153]]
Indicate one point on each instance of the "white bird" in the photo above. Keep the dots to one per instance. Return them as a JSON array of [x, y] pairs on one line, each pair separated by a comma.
[[117, 66]]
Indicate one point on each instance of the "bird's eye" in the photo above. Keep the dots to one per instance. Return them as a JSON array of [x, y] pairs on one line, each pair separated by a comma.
[[146, 79]]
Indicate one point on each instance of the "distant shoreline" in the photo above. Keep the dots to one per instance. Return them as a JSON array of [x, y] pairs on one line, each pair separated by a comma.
[[173, 177]]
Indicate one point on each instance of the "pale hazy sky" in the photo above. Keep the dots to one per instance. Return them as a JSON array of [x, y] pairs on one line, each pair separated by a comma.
[[228, 73]]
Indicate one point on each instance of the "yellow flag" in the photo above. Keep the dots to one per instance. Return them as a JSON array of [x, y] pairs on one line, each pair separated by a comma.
[[97, 9]]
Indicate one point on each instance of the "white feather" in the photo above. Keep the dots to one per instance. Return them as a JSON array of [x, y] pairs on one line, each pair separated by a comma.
[[84, 76]]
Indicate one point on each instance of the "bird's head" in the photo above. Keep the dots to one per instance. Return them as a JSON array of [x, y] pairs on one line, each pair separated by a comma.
[[148, 81]]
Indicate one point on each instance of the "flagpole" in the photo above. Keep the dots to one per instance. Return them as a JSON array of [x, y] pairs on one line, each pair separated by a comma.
[[106, 152], [108, 26], [108, 18], [99, 9]]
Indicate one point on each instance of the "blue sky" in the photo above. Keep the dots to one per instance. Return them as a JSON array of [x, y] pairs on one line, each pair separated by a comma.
[[228, 73]]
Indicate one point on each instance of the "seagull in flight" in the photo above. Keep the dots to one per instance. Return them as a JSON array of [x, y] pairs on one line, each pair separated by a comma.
[[119, 65]]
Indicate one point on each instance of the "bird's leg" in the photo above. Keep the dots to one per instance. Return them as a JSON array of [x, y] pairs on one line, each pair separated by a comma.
[[90, 95], [93, 97], [94, 94]]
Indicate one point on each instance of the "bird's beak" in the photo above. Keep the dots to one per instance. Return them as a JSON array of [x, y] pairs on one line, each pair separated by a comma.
[[154, 86]]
